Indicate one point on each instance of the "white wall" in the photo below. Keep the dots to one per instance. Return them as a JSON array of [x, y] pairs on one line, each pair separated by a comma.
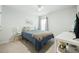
[[0, 13], [62, 20], [13, 19], [1, 32], [77, 8]]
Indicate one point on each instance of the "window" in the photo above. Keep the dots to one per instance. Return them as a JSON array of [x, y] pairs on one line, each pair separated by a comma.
[[43, 23]]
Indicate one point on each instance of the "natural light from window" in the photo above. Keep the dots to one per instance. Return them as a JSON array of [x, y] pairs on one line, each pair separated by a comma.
[[43, 24]]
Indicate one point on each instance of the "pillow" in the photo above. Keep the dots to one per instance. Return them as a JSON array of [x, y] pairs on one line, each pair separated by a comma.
[[32, 28], [27, 29]]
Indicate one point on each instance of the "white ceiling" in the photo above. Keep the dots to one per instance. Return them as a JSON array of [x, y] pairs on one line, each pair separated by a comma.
[[33, 9]]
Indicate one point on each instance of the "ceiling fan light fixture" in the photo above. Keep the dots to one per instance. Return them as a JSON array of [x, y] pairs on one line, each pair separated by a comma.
[[40, 7]]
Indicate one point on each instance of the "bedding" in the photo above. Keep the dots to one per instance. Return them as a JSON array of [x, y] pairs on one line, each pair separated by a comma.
[[37, 37]]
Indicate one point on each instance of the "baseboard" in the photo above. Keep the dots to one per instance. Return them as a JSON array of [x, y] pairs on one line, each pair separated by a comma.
[[3, 42]]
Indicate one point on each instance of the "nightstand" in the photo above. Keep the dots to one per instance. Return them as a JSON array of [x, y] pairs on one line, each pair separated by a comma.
[[17, 37]]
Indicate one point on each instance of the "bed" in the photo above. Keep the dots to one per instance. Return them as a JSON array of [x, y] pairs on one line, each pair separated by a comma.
[[37, 38]]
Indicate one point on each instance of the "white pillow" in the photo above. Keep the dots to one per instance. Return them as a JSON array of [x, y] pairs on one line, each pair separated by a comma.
[[32, 28], [27, 29]]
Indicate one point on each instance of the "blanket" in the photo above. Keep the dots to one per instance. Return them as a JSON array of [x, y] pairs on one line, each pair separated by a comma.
[[40, 35]]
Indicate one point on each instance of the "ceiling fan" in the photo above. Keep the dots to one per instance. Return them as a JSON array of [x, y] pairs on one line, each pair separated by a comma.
[[40, 7]]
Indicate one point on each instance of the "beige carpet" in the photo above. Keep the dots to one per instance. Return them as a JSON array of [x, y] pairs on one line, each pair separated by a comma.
[[23, 46], [31, 47], [13, 47]]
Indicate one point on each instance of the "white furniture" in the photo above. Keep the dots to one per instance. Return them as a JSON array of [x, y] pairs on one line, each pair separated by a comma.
[[67, 37]]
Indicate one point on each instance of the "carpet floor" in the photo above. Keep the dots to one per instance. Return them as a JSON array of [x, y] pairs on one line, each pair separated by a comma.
[[23, 46], [32, 49]]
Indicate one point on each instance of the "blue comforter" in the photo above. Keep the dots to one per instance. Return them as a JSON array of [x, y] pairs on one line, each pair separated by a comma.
[[29, 35]]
